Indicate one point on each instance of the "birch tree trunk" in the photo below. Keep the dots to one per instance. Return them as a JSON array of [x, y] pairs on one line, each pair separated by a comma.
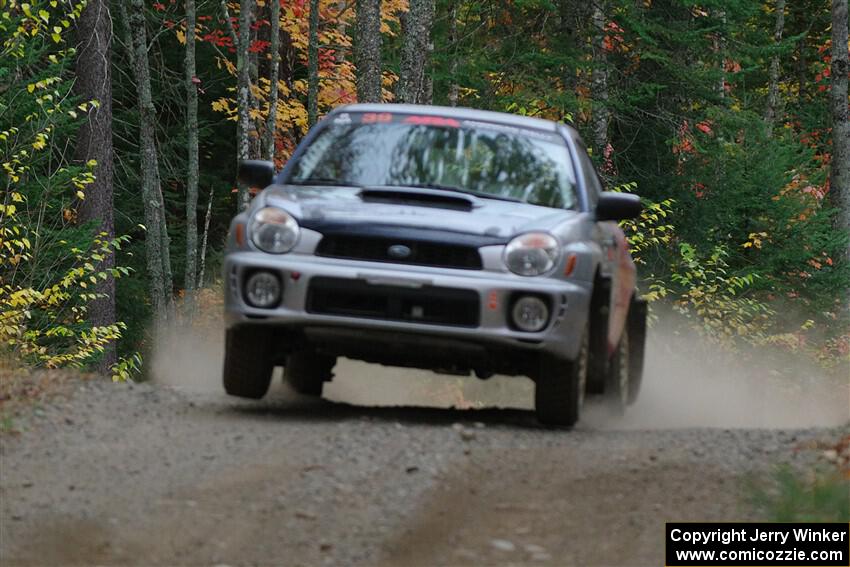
[[156, 239], [203, 258], [413, 83], [243, 94], [773, 85], [192, 175], [599, 80], [313, 65], [274, 78], [367, 51], [839, 183], [94, 142]]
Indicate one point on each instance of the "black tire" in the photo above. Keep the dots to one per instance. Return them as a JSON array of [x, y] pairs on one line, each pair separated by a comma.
[[637, 346], [559, 388], [307, 372], [598, 335], [248, 363], [616, 396]]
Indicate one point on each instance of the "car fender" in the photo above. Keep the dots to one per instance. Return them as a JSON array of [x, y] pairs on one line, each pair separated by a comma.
[[622, 289]]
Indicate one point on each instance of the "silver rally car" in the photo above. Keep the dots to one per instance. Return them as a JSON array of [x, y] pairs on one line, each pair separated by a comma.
[[455, 240]]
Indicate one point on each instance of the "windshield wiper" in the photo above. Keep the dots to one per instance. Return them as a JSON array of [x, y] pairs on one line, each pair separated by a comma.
[[324, 181], [454, 189]]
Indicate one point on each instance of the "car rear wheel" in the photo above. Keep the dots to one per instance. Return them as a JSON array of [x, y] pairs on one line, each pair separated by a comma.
[[307, 372], [616, 396], [247, 362], [559, 388]]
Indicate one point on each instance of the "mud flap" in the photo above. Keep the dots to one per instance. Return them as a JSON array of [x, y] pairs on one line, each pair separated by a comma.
[[636, 323], [598, 336]]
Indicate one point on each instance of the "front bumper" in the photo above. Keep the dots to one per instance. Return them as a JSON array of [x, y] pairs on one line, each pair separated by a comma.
[[495, 291]]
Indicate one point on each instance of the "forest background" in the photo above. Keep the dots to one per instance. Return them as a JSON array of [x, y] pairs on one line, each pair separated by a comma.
[[121, 130]]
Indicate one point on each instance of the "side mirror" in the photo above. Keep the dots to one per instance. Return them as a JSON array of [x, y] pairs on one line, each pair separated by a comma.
[[617, 206], [256, 173]]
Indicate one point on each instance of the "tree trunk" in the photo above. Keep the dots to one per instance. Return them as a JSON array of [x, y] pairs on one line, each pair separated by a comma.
[[454, 87], [274, 79], [413, 83], [367, 52], [576, 25], [156, 239], [203, 259], [192, 174], [839, 183], [773, 86], [599, 80], [801, 25], [342, 29], [243, 88], [571, 16], [228, 23], [313, 65], [254, 141], [94, 142]]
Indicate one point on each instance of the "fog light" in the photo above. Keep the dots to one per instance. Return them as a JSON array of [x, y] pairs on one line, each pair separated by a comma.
[[530, 314], [263, 290]]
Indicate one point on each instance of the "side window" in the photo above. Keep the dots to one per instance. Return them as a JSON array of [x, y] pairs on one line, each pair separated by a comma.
[[591, 180]]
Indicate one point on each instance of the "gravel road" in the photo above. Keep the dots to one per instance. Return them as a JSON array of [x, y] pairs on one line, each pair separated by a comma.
[[174, 472]]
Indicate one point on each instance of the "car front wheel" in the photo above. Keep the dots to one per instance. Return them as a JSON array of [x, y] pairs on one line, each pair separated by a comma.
[[247, 362], [559, 388]]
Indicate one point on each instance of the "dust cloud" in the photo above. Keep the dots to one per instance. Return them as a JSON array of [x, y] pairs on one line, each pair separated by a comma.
[[686, 384], [189, 359]]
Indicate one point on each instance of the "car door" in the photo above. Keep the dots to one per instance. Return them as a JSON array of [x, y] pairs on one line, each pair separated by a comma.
[[616, 264], [603, 232]]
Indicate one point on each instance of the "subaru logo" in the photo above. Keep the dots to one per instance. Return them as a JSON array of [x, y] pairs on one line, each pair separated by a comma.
[[399, 251]]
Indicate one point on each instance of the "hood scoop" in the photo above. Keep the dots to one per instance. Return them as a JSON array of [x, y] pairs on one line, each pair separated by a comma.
[[433, 198]]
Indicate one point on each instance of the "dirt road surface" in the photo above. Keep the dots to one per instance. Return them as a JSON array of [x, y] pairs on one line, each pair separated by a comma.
[[174, 472]]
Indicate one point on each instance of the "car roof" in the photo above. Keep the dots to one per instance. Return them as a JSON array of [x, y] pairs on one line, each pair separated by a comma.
[[456, 112]]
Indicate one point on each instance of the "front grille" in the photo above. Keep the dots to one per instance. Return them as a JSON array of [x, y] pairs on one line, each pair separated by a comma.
[[377, 249], [427, 305]]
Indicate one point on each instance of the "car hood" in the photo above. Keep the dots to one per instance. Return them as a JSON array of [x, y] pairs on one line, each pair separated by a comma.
[[317, 206]]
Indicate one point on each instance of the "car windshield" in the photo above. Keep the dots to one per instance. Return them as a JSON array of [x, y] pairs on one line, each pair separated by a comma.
[[483, 159]]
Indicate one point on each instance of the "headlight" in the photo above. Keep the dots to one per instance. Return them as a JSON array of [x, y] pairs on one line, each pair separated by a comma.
[[274, 230], [532, 254]]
